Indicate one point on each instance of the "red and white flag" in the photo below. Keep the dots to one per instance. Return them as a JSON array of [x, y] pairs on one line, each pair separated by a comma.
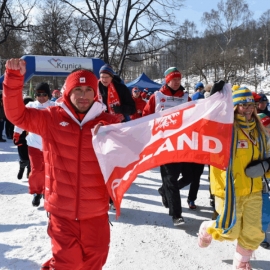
[[198, 131]]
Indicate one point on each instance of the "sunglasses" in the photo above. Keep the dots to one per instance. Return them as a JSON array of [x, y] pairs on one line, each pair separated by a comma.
[[136, 91], [247, 105], [41, 95]]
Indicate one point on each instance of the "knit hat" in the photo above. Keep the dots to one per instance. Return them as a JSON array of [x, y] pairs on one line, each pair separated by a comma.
[[242, 95], [56, 92], [80, 78], [43, 87], [107, 69], [256, 97], [199, 85], [263, 97], [265, 120], [171, 73], [235, 87]]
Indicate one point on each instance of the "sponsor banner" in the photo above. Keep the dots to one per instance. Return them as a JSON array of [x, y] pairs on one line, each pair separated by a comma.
[[61, 63], [198, 131]]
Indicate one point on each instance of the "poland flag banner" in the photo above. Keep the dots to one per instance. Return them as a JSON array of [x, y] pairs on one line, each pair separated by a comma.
[[198, 131]]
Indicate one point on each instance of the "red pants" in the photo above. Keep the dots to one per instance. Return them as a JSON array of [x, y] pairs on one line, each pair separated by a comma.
[[37, 176], [79, 244]]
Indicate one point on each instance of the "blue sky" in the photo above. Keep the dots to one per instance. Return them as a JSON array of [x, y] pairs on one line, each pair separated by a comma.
[[193, 10]]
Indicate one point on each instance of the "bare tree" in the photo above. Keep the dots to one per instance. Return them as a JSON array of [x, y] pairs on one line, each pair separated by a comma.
[[224, 24], [13, 47], [84, 39], [49, 35], [264, 22], [182, 47], [122, 23], [14, 16]]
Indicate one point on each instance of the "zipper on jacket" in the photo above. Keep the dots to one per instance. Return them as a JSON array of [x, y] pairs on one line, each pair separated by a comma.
[[78, 174]]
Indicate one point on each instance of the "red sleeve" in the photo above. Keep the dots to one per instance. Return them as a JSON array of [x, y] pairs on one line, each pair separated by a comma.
[[29, 119], [150, 106]]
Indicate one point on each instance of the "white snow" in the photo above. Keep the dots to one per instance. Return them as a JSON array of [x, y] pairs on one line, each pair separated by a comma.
[[142, 238]]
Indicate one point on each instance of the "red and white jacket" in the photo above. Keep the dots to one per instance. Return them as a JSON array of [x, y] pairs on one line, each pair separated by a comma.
[[163, 99], [74, 185]]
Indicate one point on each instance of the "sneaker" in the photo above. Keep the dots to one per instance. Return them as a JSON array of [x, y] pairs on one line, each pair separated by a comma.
[[178, 221], [36, 200], [20, 173], [164, 199], [191, 205]]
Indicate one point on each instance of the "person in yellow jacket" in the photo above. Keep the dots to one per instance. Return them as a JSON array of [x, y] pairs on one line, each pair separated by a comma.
[[238, 197]]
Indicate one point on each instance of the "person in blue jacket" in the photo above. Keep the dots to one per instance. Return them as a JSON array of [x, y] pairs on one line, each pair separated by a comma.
[[199, 87]]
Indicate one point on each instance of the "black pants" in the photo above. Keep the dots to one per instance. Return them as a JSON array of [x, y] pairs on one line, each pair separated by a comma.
[[9, 129], [2, 122], [23, 152], [191, 173]]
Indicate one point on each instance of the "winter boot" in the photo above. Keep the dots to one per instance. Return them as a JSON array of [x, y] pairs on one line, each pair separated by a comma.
[[204, 238], [36, 200], [241, 258], [23, 164], [20, 173]]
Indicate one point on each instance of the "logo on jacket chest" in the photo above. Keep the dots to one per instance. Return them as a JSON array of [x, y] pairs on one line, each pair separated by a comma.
[[242, 144], [64, 124]]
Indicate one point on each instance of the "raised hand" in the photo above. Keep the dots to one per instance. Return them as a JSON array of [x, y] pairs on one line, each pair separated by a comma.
[[16, 64]]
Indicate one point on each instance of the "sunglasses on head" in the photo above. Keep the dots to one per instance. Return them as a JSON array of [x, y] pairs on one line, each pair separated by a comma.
[[41, 95]]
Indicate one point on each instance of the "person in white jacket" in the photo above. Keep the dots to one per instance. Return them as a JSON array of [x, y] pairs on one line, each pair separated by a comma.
[[37, 176]]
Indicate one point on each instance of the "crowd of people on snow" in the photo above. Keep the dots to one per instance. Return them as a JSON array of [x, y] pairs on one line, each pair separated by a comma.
[[67, 175]]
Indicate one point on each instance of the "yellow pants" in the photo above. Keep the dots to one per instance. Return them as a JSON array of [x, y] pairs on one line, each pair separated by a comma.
[[248, 227]]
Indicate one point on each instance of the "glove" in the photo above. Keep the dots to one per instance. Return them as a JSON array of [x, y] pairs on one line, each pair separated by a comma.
[[16, 138], [117, 109], [257, 168], [218, 86]]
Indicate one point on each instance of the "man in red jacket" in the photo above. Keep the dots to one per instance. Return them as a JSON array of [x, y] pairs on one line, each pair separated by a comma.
[[139, 103], [76, 196], [172, 94]]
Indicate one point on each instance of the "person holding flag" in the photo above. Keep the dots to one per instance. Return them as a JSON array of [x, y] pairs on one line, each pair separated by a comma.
[[159, 101], [76, 197], [238, 189]]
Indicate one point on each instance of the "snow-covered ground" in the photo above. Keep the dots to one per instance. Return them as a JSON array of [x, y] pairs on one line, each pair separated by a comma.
[[142, 238]]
